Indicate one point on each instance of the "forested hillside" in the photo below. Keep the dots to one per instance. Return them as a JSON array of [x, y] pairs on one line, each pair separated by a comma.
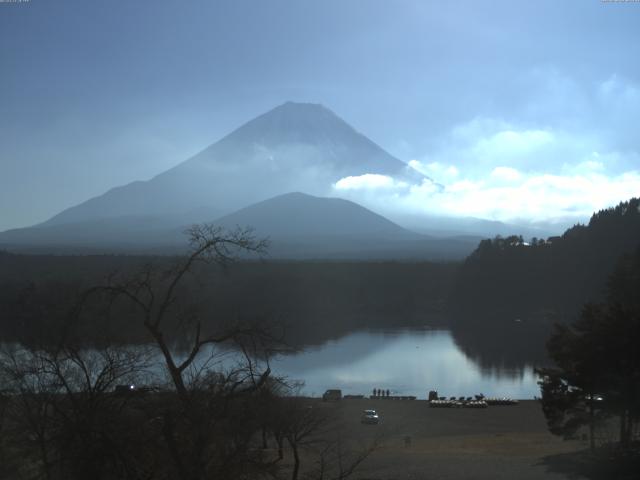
[[509, 289]]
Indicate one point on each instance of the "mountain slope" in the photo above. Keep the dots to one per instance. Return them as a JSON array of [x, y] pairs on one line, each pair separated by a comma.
[[300, 215], [301, 226], [294, 147]]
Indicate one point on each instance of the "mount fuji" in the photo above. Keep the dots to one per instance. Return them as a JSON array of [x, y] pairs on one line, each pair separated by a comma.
[[295, 147]]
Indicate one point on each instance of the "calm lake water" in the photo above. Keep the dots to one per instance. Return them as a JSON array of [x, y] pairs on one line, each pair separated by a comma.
[[407, 362]]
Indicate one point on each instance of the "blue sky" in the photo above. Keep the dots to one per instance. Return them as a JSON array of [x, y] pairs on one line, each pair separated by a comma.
[[523, 110]]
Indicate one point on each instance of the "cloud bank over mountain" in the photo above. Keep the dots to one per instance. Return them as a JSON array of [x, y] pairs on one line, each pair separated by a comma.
[[558, 170]]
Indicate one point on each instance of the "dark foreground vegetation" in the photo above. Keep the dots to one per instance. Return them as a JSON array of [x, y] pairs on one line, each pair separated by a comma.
[[66, 411], [61, 417], [595, 382]]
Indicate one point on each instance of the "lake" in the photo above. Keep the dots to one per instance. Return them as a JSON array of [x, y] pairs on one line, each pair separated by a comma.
[[405, 361]]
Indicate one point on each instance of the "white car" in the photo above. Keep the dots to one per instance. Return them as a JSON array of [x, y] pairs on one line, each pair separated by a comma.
[[370, 416]]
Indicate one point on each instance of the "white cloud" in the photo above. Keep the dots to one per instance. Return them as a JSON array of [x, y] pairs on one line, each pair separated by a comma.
[[464, 186], [426, 187], [482, 144], [368, 181], [507, 174], [546, 196], [507, 195], [564, 120], [435, 169], [452, 171], [512, 144]]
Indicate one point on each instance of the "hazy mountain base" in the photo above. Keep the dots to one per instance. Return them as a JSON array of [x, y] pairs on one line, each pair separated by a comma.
[[299, 226]]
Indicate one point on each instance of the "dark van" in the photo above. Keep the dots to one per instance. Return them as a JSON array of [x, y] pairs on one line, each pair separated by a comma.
[[332, 396]]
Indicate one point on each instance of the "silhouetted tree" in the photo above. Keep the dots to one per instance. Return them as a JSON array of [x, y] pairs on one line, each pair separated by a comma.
[[597, 356], [64, 418], [301, 428], [197, 429]]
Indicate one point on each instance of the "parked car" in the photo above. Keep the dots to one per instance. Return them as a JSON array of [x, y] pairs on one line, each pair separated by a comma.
[[370, 417], [594, 398], [332, 395]]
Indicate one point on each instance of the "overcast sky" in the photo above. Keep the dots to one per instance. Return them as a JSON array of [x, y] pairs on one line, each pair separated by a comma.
[[520, 109]]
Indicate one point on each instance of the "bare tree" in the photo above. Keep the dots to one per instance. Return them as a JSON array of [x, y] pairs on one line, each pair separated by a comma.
[[155, 294], [62, 418], [197, 429], [301, 428]]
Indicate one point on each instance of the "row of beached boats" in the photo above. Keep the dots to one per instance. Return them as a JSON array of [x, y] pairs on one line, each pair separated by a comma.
[[470, 402], [477, 401]]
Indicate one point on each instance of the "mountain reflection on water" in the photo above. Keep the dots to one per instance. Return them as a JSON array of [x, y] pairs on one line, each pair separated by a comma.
[[405, 361]]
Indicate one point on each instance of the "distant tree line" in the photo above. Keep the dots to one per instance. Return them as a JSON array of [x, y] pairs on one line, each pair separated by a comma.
[[315, 301]]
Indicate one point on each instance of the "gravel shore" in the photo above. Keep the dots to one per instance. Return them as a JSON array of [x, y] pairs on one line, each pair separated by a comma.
[[420, 442]]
